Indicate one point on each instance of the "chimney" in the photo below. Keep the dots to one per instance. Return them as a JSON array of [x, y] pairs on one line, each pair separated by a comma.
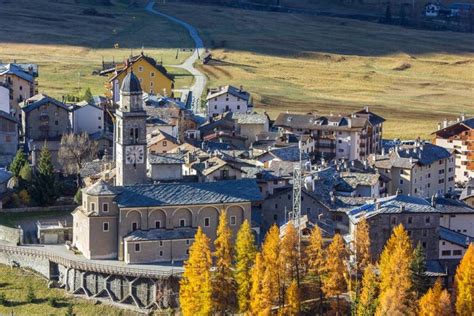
[[241, 88], [439, 126], [445, 123], [366, 109], [463, 117]]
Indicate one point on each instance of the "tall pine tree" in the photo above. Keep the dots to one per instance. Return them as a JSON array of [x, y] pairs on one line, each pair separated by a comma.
[[367, 302], [19, 161], [420, 282], [464, 284], [362, 246], [334, 282], [292, 307], [44, 186], [245, 252], [195, 292], [223, 281], [315, 262], [436, 302], [271, 294], [289, 256], [395, 277], [257, 304]]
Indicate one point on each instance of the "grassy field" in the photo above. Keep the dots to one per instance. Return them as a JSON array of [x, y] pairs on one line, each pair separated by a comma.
[[307, 63], [69, 46], [13, 219], [14, 282]]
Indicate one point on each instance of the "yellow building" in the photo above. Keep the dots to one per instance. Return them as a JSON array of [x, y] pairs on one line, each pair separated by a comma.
[[154, 78]]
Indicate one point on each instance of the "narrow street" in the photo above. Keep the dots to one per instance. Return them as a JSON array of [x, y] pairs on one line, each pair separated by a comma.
[[200, 79]]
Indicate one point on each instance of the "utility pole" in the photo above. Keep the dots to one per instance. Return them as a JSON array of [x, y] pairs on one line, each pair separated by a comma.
[[296, 212]]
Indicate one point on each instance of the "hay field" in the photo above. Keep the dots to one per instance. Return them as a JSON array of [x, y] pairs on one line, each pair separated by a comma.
[[69, 46], [307, 63]]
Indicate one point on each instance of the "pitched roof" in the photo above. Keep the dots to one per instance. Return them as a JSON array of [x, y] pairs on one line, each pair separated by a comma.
[[133, 60], [17, 70], [211, 165], [7, 116], [162, 136], [230, 90], [455, 237], [468, 191], [351, 180], [249, 118], [452, 206], [166, 194], [39, 100], [5, 175], [288, 153], [161, 234], [101, 188], [166, 159], [394, 204], [406, 156]]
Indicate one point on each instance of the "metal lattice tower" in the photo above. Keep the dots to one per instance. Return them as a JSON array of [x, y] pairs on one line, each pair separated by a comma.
[[296, 211]]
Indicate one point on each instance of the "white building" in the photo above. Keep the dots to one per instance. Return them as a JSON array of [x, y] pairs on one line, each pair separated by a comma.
[[228, 99], [421, 169], [459, 136], [87, 118], [4, 99]]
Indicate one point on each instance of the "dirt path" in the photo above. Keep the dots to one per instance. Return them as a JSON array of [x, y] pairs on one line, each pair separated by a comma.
[[200, 79]]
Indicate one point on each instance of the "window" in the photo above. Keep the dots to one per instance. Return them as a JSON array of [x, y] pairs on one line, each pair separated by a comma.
[[188, 241], [457, 252], [446, 252], [423, 244], [207, 221], [401, 181], [276, 205], [140, 69], [425, 232], [157, 224], [92, 206], [151, 84], [275, 217], [427, 219], [56, 123], [410, 220], [238, 107], [105, 226], [187, 251], [165, 143], [134, 226], [152, 74], [137, 247], [105, 207], [182, 222], [161, 243], [233, 220], [394, 220], [409, 233]]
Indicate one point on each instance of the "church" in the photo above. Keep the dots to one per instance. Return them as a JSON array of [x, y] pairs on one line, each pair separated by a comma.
[[137, 221]]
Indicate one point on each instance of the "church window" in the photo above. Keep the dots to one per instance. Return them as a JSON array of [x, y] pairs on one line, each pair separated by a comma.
[[161, 253], [233, 220], [105, 226], [207, 222], [157, 224], [137, 247], [182, 222], [105, 207], [134, 226]]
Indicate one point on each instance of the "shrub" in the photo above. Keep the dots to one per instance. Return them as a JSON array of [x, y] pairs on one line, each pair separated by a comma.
[[78, 197], [69, 311], [30, 295], [53, 302], [24, 197], [3, 299]]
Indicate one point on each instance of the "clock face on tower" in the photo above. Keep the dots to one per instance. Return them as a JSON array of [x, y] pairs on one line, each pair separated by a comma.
[[134, 154]]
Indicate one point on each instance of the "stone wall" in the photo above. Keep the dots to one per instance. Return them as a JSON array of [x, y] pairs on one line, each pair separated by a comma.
[[11, 235], [39, 209]]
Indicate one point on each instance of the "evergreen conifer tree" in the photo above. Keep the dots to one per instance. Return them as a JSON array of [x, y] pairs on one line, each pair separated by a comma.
[[245, 252]]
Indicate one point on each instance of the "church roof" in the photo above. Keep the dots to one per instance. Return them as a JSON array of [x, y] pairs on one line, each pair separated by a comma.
[[167, 194], [101, 188], [131, 84]]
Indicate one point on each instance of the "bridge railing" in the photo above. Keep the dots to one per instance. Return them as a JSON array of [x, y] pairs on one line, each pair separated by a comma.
[[88, 266]]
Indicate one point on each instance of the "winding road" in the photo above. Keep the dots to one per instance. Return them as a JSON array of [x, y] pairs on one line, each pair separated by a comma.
[[200, 79]]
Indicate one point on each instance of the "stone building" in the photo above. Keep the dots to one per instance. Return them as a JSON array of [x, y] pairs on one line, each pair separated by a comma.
[[138, 222], [8, 138], [228, 99], [20, 79], [421, 169], [419, 217]]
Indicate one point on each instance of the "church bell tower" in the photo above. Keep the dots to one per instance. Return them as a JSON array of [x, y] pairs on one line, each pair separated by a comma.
[[130, 134]]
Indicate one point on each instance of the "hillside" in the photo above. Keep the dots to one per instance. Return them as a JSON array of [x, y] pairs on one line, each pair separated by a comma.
[[307, 63], [69, 45]]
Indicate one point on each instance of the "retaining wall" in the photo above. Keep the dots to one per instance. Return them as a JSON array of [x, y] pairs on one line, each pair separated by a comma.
[[65, 208], [11, 235]]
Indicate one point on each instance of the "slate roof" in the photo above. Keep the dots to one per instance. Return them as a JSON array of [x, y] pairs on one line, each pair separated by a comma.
[[17, 70], [317, 122], [434, 268], [161, 234], [349, 181], [288, 153], [131, 84], [148, 195], [374, 119], [228, 89], [394, 204], [166, 159], [5, 175], [7, 116], [455, 237], [212, 164], [102, 188], [249, 118], [92, 168], [259, 173], [452, 206], [39, 100], [406, 156]]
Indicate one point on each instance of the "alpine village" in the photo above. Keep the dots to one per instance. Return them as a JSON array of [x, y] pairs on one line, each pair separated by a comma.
[[234, 157]]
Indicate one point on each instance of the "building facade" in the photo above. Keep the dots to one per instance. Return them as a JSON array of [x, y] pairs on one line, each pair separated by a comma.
[[228, 99], [87, 118], [458, 136], [8, 138]]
